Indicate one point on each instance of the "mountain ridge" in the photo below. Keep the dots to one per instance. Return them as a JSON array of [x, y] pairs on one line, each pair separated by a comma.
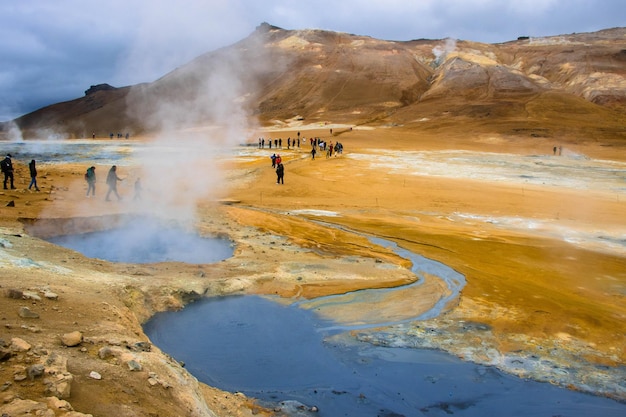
[[320, 76]]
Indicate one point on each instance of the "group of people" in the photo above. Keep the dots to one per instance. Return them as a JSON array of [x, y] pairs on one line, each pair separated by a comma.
[[277, 163], [316, 143], [111, 181], [278, 143], [90, 177], [6, 166]]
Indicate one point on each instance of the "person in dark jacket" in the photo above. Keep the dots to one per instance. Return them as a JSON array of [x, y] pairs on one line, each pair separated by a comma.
[[90, 177], [280, 174], [7, 170], [112, 180], [33, 175]]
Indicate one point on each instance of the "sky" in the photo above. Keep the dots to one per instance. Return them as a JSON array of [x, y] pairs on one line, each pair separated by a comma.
[[54, 50]]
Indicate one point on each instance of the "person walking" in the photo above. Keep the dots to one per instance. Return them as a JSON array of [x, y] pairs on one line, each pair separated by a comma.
[[280, 174], [138, 189], [33, 175], [7, 170], [112, 180], [90, 177]]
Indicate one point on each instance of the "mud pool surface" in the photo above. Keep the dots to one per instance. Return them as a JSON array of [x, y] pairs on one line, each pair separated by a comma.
[[147, 242], [281, 353]]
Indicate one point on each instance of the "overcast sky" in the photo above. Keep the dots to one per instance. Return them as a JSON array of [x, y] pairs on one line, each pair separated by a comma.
[[53, 50]]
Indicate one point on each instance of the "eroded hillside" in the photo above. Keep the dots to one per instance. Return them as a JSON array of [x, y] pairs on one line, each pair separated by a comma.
[[275, 75]]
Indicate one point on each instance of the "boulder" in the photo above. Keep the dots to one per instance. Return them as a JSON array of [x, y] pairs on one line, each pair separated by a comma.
[[72, 339]]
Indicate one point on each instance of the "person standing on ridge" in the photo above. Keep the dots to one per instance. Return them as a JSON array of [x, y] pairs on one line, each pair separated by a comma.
[[112, 180], [33, 175]]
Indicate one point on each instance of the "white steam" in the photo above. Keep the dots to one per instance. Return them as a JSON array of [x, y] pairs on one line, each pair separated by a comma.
[[200, 116], [441, 51]]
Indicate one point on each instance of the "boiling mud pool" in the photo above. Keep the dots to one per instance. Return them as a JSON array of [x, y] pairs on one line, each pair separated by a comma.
[[279, 353], [147, 242]]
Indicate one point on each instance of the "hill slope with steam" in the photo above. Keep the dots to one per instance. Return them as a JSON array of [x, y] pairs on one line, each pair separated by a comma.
[[554, 86]]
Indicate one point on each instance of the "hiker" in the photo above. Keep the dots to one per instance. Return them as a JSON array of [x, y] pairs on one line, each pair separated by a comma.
[[7, 170], [137, 189], [278, 159], [33, 175], [313, 153], [90, 177], [280, 174], [273, 160], [112, 180]]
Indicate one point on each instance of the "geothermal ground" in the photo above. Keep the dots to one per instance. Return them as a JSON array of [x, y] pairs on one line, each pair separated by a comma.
[[539, 237]]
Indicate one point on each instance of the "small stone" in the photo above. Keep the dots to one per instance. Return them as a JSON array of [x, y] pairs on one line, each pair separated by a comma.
[[51, 295], [133, 365], [15, 294], [19, 377], [27, 313], [105, 352], [5, 354], [20, 345], [152, 381], [54, 402], [35, 371], [95, 375], [29, 295], [72, 339], [142, 346]]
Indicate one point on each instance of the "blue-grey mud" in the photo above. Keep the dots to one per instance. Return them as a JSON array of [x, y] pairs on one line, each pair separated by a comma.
[[146, 241], [281, 353]]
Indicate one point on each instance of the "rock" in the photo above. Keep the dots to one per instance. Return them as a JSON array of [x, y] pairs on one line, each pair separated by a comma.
[[5, 354], [133, 365], [72, 339], [27, 313], [50, 295], [19, 407], [15, 294], [142, 347], [11, 203], [19, 345], [29, 295], [57, 404], [95, 375], [105, 353], [35, 371], [60, 385], [58, 380]]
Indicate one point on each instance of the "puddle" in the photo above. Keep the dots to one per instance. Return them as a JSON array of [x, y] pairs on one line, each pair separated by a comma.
[[280, 353], [145, 241]]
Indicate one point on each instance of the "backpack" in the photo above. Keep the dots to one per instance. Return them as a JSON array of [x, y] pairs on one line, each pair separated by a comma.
[[4, 165]]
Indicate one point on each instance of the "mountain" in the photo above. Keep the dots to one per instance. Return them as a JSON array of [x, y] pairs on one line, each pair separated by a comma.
[[553, 86]]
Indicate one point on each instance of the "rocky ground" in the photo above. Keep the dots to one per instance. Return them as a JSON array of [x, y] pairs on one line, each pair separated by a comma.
[[535, 304]]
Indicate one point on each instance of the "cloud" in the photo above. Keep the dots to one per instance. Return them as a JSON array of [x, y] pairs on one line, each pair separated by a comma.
[[53, 51]]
